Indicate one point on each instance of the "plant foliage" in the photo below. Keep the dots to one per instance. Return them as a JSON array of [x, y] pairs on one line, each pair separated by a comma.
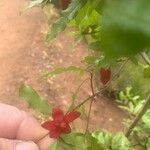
[[115, 31], [35, 101]]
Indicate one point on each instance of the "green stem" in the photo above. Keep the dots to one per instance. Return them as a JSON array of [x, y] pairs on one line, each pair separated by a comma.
[[138, 117], [83, 102], [75, 94], [145, 58]]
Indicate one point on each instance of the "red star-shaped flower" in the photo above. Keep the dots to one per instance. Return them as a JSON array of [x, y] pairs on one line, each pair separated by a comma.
[[105, 75], [60, 122]]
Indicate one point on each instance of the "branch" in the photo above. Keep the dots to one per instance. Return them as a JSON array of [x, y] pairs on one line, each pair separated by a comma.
[[119, 70], [138, 117], [79, 87], [83, 102], [92, 99], [103, 88]]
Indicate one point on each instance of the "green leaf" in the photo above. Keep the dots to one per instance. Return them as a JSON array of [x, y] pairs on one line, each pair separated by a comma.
[[96, 46], [103, 139], [87, 15], [125, 27], [82, 111], [146, 71], [77, 140], [65, 18], [146, 120], [54, 146], [120, 142], [91, 60], [148, 144], [35, 101], [61, 70]]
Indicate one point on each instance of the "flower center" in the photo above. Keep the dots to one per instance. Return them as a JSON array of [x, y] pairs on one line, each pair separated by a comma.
[[63, 125]]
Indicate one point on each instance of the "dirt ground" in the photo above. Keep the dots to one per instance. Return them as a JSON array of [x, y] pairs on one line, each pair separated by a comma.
[[24, 56]]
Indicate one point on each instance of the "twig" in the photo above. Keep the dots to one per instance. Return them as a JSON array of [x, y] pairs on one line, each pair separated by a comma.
[[138, 117], [91, 82], [76, 92], [143, 55], [97, 93], [40, 138], [83, 102], [81, 84], [92, 99], [120, 69]]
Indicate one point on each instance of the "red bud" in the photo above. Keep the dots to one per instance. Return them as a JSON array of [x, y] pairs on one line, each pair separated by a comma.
[[65, 3], [105, 75]]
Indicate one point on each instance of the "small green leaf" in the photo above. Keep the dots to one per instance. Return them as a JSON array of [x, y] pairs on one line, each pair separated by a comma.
[[120, 142], [103, 139], [146, 71], [61, 70], [146, 119], [54, 146], [91, 60], [27, 93], [82, 111]]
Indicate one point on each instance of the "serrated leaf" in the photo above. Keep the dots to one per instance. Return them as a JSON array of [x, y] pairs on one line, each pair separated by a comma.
[[102, 140], [87, 16], [125, 27], [122, 96], [61, 70], [128, 91], [120, 142], [35, 101], [75, 140], [65, 18]]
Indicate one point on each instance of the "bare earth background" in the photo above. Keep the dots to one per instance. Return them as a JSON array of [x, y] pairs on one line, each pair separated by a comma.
[[24, 55]]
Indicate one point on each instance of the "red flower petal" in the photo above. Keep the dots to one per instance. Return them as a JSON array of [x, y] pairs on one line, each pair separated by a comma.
[[55, 133], [65, 128], [71, 116], [57, 115], [49, 125], [105, 75]]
